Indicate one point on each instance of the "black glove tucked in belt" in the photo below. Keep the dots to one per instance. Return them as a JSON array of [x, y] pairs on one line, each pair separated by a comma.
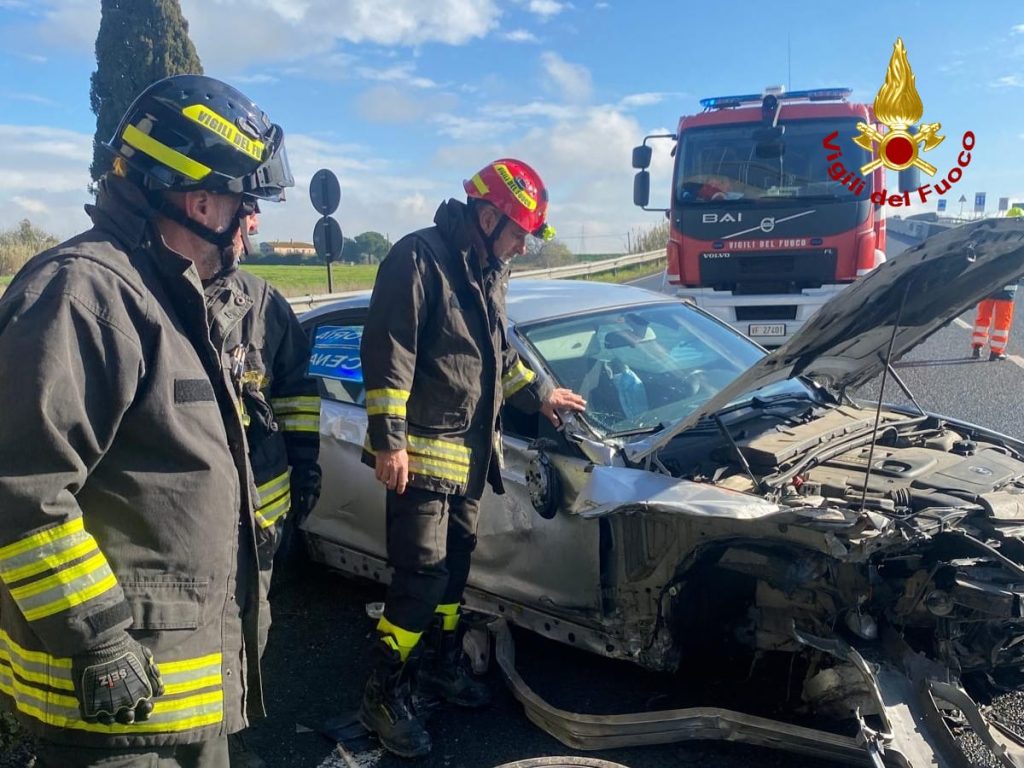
[[116, 683], [305, 484]]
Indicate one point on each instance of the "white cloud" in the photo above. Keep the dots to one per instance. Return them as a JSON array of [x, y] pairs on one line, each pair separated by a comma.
[[533, 109], [32, 97], [257, 79], [391, 104], [70, 25], [470, 129], [520, 36], [547, 8], [1017, 29], [400, 73], [583, 155], [641, 100], [294, 30], [44, 176], [1008, 81], [30, 205], [284, 30], [572, 80], [374, 194]]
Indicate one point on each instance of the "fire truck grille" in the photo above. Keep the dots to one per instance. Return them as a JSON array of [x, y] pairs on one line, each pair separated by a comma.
[[753, 273]]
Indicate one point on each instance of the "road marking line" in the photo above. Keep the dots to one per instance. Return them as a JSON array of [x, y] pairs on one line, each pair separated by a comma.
[[1015, 359]]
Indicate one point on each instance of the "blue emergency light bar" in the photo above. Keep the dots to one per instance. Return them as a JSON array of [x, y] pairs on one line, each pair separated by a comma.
[[816, 94]]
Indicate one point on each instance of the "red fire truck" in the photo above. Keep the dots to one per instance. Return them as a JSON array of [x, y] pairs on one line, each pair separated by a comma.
[[763, 229]]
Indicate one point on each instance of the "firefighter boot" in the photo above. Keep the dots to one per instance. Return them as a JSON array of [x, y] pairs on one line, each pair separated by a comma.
[[387, 709], [976, 351], [444, 674], [993, 355]]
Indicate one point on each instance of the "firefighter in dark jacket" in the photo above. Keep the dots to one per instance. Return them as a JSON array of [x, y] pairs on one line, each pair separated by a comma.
[[128, 571], [267, 351], [437, 367]]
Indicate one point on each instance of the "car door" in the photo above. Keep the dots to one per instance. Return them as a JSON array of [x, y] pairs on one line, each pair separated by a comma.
[[547, 563], [351, 507]]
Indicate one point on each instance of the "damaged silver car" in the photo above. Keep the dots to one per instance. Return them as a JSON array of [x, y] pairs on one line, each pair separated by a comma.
[[714, 496]]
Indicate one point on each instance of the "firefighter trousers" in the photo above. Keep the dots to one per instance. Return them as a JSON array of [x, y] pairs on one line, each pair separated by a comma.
[[430, 539], [1000, 335], [212, 753]]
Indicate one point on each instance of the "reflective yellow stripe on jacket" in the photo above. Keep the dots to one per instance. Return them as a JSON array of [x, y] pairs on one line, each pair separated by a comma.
[[435, 458], [275, 500], [386, 402], [55, 569], [41, 687], [297, 414], [517, 377]]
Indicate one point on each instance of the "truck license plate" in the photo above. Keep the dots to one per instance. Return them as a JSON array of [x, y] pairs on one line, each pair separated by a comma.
[[767, 329]]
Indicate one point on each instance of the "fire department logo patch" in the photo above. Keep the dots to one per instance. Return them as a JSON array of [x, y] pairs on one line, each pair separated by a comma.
[[898, 105]]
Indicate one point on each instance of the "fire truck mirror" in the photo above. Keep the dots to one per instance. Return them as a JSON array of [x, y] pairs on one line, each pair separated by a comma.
[[767, 135], [641, 156], [910, 179], [642, 189], [769, 150]]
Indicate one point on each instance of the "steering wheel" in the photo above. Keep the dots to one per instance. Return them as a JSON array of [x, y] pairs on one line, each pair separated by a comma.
[[691, 377]]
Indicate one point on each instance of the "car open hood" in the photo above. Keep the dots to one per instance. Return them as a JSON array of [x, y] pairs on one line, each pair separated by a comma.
[[845, 343]]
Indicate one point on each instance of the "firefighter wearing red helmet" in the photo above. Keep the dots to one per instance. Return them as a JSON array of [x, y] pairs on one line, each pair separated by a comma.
[[437, 367]]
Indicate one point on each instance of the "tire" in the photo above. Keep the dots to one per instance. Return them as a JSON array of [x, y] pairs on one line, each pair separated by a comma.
[[561, 762]]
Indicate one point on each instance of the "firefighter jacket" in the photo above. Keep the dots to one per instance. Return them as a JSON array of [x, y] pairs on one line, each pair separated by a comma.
[[265, 353], [436, 360], [125, 489]]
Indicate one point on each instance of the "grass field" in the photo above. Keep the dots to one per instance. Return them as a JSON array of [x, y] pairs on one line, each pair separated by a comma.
[[303, 281], [630, 273], [312, 280]]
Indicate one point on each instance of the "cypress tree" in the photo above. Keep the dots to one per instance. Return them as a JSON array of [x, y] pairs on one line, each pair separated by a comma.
[[139, 42]]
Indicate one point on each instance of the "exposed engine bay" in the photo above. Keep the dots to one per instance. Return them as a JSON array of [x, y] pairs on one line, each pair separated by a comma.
[[918, 559]]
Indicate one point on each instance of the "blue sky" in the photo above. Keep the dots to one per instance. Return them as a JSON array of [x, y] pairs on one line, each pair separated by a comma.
[[405, 98]]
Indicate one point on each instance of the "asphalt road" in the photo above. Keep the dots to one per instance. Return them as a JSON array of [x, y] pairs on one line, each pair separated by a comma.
[[318, 652]]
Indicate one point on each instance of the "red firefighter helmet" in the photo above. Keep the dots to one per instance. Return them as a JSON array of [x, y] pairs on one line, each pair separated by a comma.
[[516, 190]]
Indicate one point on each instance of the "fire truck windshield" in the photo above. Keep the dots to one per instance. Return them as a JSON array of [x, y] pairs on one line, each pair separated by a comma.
[[736, 163]]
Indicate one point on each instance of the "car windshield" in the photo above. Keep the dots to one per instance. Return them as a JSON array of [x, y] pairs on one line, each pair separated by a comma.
[[724, 163], [645, 367]]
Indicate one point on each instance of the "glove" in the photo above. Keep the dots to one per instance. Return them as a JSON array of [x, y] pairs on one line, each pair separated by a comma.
[[116, 683], [303, 501], [305, 491]]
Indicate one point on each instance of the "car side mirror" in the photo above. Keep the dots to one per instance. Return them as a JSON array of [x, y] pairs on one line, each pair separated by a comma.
[[543, 485]]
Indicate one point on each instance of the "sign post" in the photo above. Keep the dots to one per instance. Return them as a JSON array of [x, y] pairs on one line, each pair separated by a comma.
[[325, 194]]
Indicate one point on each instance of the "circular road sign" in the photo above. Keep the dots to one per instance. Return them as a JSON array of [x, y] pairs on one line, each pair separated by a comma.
[[327, 239], [325, 192]]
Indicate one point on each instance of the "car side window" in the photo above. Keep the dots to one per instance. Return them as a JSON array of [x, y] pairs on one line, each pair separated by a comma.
[[334, 361]]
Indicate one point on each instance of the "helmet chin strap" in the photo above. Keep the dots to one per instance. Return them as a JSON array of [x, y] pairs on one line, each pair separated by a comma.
[[491, 239], [224, 241]]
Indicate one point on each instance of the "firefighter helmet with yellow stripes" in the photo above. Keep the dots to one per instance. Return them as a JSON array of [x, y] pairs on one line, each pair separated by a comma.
[[192, 132], [516, 190]]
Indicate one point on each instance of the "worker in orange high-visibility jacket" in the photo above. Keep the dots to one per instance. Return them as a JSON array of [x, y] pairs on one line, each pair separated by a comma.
[[998, 308]]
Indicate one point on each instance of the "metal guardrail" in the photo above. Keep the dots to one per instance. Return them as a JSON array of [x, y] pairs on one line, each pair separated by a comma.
[[302, 303]]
